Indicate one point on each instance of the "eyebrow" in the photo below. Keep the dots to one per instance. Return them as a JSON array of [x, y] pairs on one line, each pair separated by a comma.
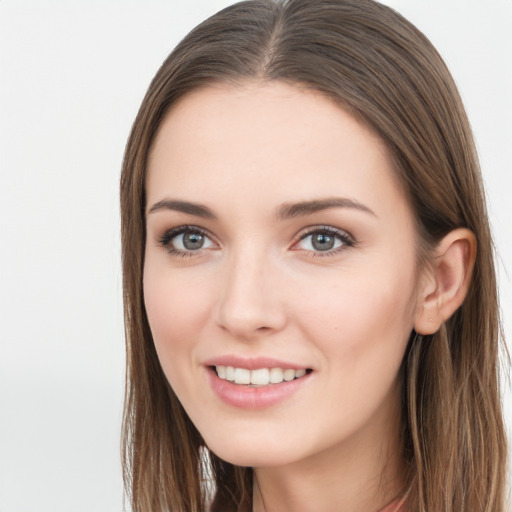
[[291, 210], [285, 211], [196, 209]]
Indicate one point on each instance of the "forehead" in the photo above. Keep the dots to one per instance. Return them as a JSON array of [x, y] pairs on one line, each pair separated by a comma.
[[239, 112], [270, 140]]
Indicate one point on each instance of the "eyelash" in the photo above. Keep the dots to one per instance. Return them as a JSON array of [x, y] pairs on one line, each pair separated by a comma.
[[167, 238], [342, 236], [345, 238]]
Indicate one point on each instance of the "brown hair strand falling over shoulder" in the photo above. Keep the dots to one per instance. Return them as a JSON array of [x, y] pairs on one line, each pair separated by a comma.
[[376, 65]]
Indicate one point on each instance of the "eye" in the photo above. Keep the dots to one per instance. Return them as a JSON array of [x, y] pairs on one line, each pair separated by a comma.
[[186, 240], [326, 240]]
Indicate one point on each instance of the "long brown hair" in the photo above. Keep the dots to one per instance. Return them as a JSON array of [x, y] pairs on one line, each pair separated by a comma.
[[384, 71]]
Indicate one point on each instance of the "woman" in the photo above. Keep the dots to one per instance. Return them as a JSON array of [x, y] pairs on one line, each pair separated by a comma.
[[310, 298]]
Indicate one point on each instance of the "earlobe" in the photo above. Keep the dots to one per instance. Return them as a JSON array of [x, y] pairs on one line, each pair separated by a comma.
[[446, 281]]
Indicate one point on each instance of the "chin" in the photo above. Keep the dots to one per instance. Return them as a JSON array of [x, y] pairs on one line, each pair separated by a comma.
[[255, 451], [253, 458]]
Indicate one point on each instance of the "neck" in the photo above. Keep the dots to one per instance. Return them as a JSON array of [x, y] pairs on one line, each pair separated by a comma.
[[361, 474]]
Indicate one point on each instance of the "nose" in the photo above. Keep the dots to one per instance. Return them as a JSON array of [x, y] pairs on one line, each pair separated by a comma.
[[250, 299]]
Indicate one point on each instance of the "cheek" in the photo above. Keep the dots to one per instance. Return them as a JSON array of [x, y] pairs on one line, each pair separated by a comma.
[[176, 310], [365, 320]]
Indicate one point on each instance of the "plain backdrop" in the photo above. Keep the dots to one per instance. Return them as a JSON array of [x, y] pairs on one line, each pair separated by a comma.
[[72, 75]]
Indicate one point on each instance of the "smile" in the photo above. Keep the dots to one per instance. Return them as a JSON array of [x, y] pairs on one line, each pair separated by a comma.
[[256, 384], [259, 376]]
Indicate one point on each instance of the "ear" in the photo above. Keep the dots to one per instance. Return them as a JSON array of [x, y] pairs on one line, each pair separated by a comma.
[[445, 282]]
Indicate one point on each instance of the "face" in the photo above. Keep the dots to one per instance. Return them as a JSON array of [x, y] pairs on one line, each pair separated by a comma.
[[280, 272]]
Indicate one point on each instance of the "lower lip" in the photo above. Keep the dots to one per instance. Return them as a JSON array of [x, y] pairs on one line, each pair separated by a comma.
[[247, 397]]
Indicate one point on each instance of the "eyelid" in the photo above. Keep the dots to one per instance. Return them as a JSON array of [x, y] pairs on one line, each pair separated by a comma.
[[344, 236], [347, 239], [165, 239]]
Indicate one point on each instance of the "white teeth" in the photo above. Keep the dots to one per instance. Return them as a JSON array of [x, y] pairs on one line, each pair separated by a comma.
[[288, 375], [230, 373], [260, 376], [300, 373], [242, 376], [276, 375], [221, 371]]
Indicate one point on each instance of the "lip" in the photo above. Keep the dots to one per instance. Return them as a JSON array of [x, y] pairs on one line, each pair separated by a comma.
[[247, 397]]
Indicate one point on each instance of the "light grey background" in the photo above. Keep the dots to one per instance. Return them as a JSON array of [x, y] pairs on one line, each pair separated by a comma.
[[72, 75]]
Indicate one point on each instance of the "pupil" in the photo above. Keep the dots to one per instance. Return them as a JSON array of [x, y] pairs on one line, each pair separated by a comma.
[[323, 242], [193, 241]]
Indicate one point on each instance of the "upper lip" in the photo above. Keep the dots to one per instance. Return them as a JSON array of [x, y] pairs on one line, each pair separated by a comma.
[[253, 363]]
